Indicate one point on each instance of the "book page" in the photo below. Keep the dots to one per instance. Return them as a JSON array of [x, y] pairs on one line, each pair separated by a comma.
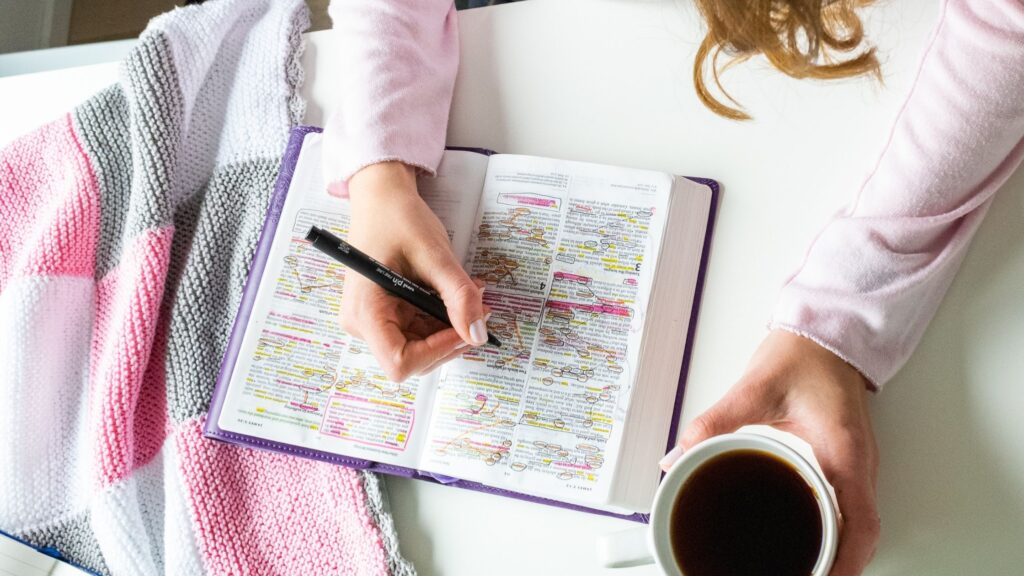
[[567, 251], [300, 379], [21, 559]]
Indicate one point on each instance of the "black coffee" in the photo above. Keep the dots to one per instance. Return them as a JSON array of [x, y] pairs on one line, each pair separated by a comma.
[[745, 512]]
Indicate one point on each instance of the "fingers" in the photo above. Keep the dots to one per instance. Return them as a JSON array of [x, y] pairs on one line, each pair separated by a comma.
[[849, 462], [462, 297], [382, 322], [401, 357], [422, 325], [404, 341], [670, 458], [460, 349], [860, 531], [750, 401]]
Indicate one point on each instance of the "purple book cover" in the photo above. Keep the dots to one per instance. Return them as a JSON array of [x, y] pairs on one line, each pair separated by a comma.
[[259, 263]]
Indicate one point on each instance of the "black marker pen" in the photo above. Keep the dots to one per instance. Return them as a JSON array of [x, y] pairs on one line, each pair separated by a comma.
[[386, 278]]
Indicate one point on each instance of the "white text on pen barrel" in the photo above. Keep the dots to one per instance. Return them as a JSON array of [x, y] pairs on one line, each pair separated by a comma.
[[400, 282]]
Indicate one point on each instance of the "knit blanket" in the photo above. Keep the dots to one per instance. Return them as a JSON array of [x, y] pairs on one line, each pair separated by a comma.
[[126, 232]]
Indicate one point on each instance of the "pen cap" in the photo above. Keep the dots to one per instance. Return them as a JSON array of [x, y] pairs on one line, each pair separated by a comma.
[[314, 234]]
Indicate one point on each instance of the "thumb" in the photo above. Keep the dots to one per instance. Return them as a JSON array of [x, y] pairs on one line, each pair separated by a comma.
[[461, 296], [727, 415], [744, 404]]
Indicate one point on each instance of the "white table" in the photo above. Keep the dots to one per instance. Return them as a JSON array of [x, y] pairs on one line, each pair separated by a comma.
[[608, 81]]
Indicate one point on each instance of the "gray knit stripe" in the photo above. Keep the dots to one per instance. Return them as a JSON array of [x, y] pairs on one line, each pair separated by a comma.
[[135, 189], [215, 236], [377, 503], [73, 537], [102, 124], [156, 112], [152, 174]]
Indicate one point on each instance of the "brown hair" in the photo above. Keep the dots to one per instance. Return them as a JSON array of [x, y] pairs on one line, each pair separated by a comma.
[[801, 38]]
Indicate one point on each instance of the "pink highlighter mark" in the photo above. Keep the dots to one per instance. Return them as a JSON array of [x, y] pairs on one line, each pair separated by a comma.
[[572, 277], [533, 201], [595, 308]]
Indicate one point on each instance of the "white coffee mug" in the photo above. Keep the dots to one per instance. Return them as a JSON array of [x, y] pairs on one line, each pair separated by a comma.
[[647, 544]]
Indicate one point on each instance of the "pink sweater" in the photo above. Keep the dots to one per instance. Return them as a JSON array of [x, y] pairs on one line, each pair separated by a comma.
[[876, 273]]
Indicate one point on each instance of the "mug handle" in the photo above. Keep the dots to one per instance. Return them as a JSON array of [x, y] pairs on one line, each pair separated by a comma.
[[625, 548]]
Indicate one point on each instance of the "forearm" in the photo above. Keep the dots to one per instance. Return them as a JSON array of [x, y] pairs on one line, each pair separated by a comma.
[[397, 61], [873, 278]]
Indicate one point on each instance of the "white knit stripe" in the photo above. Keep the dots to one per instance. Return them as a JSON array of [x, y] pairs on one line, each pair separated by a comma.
[[252, 111], [181, 545], [45, 457], [127, 520], [143, 524], [237, 61]]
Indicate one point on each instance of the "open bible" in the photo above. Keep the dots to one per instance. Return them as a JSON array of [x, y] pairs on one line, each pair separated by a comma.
[[592, 275]]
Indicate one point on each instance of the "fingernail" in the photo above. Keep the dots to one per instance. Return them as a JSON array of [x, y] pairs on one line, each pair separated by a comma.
[[669, 459], [478, 332], [338, 189], [462, 344]]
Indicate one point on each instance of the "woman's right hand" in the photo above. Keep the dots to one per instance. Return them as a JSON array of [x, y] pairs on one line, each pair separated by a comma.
[[392, 223]]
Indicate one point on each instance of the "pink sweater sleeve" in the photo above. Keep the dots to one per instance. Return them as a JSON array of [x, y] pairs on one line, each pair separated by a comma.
[[397, 61], [875, 275]]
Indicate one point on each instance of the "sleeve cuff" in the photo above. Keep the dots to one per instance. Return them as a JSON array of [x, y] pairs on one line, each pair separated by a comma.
[[874, 383], [335, 172]]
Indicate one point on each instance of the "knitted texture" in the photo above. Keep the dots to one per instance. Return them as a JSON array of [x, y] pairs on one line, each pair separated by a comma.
[[126, 232]]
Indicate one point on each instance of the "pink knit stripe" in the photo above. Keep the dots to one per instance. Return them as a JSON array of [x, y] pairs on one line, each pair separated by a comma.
[[258, 512], [49, 205], [152, 423], [128, 399]]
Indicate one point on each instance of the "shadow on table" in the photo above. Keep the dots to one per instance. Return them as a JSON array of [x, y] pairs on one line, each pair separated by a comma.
[[414, 540], [949, 425]]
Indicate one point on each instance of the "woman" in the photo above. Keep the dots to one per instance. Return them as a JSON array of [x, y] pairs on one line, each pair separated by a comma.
[[871, 281]]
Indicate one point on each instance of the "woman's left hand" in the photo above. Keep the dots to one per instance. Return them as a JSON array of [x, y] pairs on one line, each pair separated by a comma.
[[797, 386]]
